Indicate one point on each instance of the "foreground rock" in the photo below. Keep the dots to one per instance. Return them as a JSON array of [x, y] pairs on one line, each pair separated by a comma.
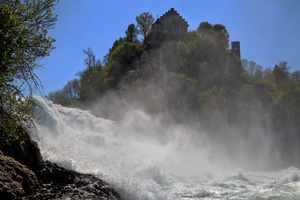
[[59, 183], [24, 150], [24, 175], [16, 180]]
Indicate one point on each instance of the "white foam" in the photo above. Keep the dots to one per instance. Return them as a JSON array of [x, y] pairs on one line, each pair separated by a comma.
[[131, 158]]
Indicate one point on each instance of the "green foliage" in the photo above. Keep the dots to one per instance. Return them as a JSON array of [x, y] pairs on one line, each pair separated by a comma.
[[24, 40], [198, 77], [90, 61], [204, 57], [121, 61], [204, 28], [117, 43], [213, 97], [144, 23], [184, 81], [131, 34], [252, 71], [67, 96], [284, 88], [93, 80], [93, 84], [125, 53], [218, 32], [10, 122]]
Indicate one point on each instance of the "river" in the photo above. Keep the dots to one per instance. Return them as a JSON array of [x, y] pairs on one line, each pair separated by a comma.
[[142, 167]]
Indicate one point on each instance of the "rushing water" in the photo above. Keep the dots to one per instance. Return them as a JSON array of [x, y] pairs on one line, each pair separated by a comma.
[[140, 168]]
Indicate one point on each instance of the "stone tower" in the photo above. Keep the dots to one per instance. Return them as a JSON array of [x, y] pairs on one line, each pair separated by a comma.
[[235, 49]]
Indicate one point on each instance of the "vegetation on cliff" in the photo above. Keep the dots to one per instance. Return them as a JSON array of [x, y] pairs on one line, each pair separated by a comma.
[[24, 41], [197, 78]]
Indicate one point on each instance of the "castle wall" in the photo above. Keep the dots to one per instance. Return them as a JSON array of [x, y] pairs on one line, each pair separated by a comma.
[[169, 26], [235, 49]]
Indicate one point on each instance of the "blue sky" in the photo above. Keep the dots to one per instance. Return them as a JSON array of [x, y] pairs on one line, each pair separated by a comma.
[[268, 30]]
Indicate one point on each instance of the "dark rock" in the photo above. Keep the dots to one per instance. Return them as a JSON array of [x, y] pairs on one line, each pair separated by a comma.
[[49, 181], [59, 183], [16, 180], [24, 150]]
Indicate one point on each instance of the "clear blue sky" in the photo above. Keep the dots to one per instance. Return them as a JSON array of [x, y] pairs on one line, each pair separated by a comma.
[[268, 30]]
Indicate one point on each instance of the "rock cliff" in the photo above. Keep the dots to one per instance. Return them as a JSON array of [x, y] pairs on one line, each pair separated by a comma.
[[25, 176], [16, 180]]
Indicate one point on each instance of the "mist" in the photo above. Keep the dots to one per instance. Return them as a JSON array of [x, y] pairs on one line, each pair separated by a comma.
[[154, 133], [224, 145], [182, 111], [141, 137]]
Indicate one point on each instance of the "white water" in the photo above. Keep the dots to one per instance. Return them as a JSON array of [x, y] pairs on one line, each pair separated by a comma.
[[138, 165]]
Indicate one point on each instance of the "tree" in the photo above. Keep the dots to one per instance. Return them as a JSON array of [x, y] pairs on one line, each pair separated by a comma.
[[93, 84], [212, 97], [295, 76], [218, 32], [253, 71], [58, 97], [204, 28], [93, 80], [71, 90], [116, 43], [281, 71], [68, 95], [24, 41], [144, 23], [131, 34], [221, 35], [90, 61], [121, 60]]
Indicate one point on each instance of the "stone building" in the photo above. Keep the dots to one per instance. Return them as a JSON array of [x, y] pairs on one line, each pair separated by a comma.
[[235, 49], [170, 26], [160, 48]]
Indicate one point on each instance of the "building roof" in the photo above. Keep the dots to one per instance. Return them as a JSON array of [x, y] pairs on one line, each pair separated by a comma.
[[172, 13]]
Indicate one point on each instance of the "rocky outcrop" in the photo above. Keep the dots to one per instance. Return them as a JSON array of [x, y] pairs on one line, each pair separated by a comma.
[[16, 180], [24, 150], [59, 183], [24, 175]]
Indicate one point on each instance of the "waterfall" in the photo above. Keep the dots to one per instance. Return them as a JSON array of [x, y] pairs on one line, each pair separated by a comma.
[[143, 159]]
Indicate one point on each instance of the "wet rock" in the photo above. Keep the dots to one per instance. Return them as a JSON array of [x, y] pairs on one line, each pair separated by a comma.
[[24, 150], [16, 180], [59, 183]]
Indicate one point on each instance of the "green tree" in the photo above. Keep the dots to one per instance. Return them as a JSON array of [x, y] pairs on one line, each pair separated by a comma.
[[253, 71], [93, 80], [204, 28], [58, 97], [281, 71], [221, 36], [90, 61], [214, 97], [116, 43], [295, 76], [131, 34], [66, 96], [218, 33], [144, 23], [121, 61], [71, 90], [24, 41]]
